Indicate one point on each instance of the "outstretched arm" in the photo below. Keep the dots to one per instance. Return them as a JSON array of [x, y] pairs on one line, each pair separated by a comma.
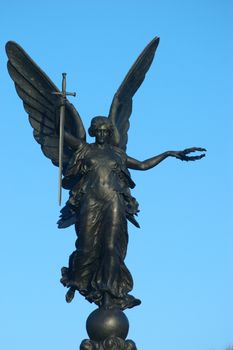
[[152, 162]]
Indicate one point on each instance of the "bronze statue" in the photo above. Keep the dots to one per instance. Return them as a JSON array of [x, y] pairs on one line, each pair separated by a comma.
[[96, 174]]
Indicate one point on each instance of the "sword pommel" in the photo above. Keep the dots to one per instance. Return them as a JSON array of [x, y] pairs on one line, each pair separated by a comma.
[[64, 85]]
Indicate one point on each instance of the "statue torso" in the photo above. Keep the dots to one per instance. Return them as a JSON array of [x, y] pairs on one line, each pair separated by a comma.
[[101, 169]]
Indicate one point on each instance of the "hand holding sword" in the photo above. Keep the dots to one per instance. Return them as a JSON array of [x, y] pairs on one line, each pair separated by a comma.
[[63, 95]]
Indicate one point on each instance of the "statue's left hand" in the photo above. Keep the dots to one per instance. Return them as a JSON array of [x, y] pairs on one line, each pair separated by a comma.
[[182, 155]]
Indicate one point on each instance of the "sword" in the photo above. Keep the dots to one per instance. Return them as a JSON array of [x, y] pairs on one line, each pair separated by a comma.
[[63, 95]]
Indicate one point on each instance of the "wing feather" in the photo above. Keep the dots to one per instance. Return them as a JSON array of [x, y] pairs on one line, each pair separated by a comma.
[[36, 89], [28, 69], [36, 105], [30, 87], [122, 104]]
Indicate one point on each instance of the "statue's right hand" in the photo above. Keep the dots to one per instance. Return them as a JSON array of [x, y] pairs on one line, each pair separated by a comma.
[[60, 101]]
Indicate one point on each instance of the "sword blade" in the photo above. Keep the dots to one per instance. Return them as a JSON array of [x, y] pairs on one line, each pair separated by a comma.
[[63, 95], [61, 144]]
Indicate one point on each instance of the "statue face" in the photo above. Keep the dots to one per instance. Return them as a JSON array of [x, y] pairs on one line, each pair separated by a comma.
[[102, 134]]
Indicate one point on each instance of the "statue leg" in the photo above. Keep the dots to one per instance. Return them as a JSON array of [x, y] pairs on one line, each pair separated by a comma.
[[84, 261], [111, 275]]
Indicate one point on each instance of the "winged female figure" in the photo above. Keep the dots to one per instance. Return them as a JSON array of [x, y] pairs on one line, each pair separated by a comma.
[[96, 175]]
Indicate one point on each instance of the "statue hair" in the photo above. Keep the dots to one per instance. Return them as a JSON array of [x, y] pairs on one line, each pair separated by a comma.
[[97, 122]]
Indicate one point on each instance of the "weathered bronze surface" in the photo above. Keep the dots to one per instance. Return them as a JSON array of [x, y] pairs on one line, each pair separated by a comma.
[[97, 176]]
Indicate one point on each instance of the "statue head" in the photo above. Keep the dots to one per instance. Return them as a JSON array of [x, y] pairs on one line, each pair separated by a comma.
[[103, 130]]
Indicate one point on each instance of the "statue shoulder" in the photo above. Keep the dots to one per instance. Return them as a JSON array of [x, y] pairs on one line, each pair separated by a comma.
[[120, 152], [76, 157]]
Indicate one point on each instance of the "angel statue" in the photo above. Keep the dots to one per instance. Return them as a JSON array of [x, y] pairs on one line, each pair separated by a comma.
[[96, 175]]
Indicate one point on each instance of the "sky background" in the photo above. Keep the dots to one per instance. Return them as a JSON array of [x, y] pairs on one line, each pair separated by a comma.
[[181, 258]]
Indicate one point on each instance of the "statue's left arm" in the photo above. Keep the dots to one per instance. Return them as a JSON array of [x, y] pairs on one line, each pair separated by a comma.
[[152, 162]]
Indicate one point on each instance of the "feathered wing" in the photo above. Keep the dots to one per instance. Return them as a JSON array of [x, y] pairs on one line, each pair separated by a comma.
[[36, 90], [122, 103]]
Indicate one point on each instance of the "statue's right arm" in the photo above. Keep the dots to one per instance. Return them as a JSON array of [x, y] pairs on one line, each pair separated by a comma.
[[72, 141], [80, 131], [78, 136]]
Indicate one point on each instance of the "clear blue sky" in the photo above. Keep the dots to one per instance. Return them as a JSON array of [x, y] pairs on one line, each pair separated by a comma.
[[181, 258]]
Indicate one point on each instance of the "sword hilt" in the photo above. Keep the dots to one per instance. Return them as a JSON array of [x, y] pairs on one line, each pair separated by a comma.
[[63, 93]]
